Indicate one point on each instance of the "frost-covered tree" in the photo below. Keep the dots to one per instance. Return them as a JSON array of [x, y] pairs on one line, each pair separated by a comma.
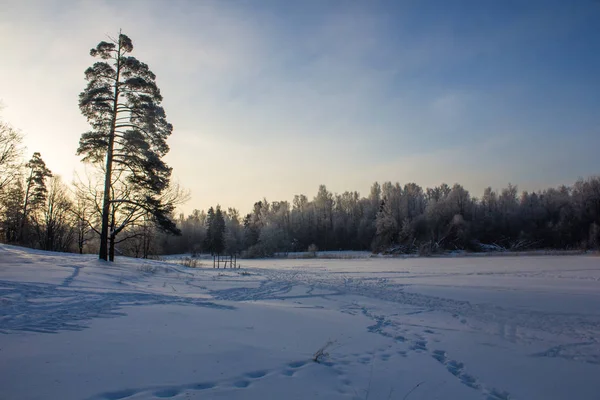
[[193, 232], [323, 204], [215, 231], [346, 217], [122, 103], [233, 232], [371, 206], [253, 224], [405, 219]]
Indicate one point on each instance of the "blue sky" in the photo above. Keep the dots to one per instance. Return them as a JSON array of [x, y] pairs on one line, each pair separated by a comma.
[[273, 98]]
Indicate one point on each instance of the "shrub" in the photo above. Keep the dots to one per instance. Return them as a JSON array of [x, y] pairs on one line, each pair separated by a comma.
[[322, 353], [147, 268], [190, 262], [312, 249]]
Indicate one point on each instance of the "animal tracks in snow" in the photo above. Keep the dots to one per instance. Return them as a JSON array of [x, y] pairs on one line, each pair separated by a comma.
[[293, 367], [418, 343], [240, 382], [457, 369], [406, 338], [403, 324]]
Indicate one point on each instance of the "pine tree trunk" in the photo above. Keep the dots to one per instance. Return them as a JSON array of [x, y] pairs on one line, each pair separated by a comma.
[[24, 217], [49, 238], [111, 252], [103, 255]]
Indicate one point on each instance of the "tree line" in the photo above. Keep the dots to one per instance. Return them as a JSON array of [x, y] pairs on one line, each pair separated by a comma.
[[401, 219]]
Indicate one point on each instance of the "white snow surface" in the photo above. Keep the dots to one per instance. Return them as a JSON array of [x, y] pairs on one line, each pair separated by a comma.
[[72, 327]]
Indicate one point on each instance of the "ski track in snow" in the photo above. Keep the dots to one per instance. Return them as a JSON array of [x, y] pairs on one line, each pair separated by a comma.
[[51, 308]]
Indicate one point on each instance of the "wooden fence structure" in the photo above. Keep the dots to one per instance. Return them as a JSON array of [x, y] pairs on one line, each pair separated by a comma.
[[219, 259]]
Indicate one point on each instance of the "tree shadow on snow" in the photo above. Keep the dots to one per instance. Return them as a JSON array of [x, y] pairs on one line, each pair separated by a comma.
[[37, 307]]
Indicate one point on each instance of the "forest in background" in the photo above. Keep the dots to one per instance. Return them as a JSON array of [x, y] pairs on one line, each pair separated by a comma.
[[39, 210], [397, 219]]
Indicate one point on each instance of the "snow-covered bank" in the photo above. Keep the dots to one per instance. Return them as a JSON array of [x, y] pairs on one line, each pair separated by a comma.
[[454, 328], [206, 259]]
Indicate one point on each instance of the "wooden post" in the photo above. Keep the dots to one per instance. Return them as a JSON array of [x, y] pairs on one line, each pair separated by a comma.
[[214, 261]]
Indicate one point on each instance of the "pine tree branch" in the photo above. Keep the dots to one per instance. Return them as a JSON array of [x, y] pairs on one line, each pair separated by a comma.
[[133, 236]]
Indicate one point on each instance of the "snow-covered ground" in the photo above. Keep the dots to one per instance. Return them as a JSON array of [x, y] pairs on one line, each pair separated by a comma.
[[72, 327]]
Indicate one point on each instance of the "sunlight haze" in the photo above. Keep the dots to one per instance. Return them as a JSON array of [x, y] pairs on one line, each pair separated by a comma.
[[272, 98]]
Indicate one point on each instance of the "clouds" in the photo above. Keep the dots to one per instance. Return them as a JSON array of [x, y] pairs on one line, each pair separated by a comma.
[[274, 98]]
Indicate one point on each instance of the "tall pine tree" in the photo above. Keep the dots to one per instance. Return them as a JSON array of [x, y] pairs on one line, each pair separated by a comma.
[[35, 189], [210, 227], [215, 231], [219, 232], [128, 138]]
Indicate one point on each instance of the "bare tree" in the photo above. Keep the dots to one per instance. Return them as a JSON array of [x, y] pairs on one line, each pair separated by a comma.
[[82, 214], [11, 151], [55, 227]]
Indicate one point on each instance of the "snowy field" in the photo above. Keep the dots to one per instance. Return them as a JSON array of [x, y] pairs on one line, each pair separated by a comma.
[[72, 327]]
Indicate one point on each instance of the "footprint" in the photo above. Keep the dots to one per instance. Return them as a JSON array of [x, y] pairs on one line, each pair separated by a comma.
[[469, 381], [498, 395], [455, 367], [420, 345], [256, 374], [384, 357], [203, 386], [118, 395], [241, 384], [288, 372], [166, 393], [440, 355], [297, 364]]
